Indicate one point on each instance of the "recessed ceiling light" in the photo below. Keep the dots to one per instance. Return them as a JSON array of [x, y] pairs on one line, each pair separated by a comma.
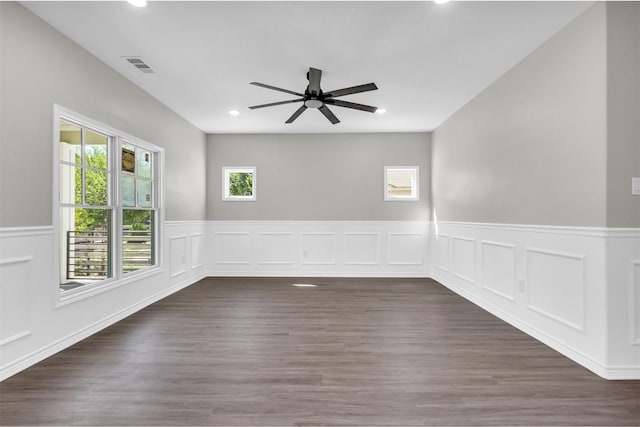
[[381, 110], [304, 285], [440, 1], [138, 3], [234, 112]]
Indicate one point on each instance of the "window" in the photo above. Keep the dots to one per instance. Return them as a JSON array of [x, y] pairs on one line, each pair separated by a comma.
[[108, 207], [401, 183], [239, 183], [138, 213]]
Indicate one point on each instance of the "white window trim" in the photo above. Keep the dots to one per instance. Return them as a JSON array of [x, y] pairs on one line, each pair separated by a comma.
[[415, 184], [118, 279], [226, 170]]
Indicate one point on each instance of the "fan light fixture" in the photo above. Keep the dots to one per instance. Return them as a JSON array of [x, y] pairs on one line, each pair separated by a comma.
[[440, 1], [234, 112], [313, 103], [137, 3], [381, 110]]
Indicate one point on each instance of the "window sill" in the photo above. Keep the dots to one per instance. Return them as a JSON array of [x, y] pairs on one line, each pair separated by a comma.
[[88, 291]]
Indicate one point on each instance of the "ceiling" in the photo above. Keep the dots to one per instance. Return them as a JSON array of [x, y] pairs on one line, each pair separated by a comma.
[[428, 60]]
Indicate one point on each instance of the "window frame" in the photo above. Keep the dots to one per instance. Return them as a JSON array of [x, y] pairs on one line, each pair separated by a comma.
[[226, 171], [415, 184], [117, 138]]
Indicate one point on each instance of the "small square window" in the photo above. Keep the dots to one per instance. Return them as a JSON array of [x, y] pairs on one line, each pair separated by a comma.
[[239, 183], [401, 183]]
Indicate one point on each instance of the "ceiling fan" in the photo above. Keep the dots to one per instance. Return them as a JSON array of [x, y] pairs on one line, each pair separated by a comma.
[[314, 97]]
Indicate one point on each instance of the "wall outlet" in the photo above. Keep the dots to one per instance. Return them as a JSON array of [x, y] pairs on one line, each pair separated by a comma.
[[635, 186], [305, 254], [521, 285]]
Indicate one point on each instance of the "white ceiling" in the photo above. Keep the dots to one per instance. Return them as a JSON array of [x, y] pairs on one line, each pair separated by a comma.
[[428, 60]]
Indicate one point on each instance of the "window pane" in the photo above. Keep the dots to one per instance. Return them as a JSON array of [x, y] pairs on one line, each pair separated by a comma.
[[401, 183], [96, 188], [143, 190], [70, 143], [95, 150], [70, 184], [85, 246], [128, 159], [128, 188], [143, 159], [138, 232], [240, 184]]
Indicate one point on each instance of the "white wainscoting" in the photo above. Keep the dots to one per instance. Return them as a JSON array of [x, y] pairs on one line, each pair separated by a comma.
[[575, 289], [318, 248], [562, 285], [34, 326], [634, 312], [623, 301]]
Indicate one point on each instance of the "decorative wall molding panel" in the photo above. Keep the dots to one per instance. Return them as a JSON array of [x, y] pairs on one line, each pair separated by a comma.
[[498, 268], [275, 248], [15, 289], [319, 248], [362, 248], [464, 258], [198, 248], [232, 248], [440, 251], [556, 285], [405, 248], [178, 254], [623, 301], [562, 285]]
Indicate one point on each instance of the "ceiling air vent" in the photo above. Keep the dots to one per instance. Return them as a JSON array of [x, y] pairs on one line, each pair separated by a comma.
[[139, 63]]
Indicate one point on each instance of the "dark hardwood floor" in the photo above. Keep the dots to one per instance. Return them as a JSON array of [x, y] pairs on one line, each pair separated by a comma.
[[235, 351]]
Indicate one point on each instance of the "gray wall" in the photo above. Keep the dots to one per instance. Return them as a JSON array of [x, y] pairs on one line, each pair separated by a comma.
[[318, 177], [531, 149], [623, 114], [39, 67]]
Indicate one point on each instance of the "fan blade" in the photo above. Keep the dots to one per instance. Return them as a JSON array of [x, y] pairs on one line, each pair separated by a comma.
[[350, 90], [353, 105], [328, 114], [314, 81], [276, 88], [296, 114], [276, 103]]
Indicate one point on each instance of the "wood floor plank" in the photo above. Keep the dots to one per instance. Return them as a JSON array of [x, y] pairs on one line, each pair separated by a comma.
[[257, 351]]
